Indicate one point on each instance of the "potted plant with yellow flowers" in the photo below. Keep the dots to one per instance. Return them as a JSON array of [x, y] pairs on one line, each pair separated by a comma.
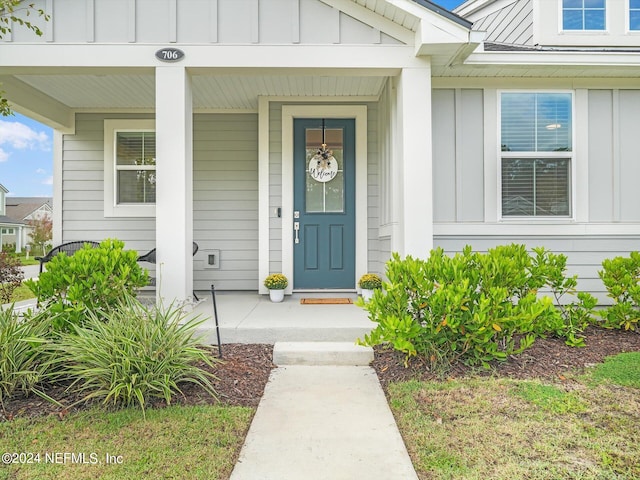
[[368, 283], [276, 283]]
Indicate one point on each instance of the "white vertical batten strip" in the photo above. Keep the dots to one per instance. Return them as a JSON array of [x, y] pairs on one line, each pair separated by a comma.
[[492, 159], [617, 208], [213, 16], [295, 21], [91, 21], [254, 18], [131, 17], [336, 23], [173, 21], [263, 192], [48, 27], [458, 164], [580, 158]]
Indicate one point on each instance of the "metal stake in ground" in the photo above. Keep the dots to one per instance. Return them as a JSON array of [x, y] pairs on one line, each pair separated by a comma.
[[215, 316]]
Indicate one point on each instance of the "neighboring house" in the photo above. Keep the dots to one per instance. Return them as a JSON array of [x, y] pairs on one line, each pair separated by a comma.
[[12, 231], [180, 121], [26, 209]]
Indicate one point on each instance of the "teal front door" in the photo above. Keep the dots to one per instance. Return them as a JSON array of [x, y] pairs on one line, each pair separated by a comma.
[[324, 204]]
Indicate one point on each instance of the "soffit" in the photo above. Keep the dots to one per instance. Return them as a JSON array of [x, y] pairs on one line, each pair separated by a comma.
[[209, 91]]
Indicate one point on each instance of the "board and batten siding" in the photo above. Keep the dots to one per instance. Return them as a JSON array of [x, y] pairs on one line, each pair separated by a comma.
[[458, 159], [610, 151], [274, 22], [225, 205]]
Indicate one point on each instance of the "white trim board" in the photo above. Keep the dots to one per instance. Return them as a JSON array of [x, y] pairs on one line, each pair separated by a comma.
[[289, 113]]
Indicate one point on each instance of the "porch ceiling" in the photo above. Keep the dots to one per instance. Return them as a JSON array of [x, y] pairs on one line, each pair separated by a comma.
[[137, 91]]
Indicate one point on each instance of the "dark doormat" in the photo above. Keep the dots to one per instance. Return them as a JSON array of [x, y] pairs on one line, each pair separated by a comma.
[[325, 301]]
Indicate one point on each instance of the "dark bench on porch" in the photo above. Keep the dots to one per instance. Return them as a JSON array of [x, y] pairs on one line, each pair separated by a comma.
[[69, 248], [150, 257]]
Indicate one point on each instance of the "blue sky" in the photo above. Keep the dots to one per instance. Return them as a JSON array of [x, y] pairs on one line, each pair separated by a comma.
[[448, 4], [26, 157]]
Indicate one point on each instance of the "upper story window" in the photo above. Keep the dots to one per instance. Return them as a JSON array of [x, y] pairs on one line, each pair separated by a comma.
[[634, 15], [583, 14], [129, 168], [536, 138]]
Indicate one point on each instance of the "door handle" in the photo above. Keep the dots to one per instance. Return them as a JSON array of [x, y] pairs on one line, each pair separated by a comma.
[[296, 230]]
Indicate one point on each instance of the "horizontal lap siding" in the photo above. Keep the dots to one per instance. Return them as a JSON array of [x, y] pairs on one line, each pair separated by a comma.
[[83, 183], [225, 200]]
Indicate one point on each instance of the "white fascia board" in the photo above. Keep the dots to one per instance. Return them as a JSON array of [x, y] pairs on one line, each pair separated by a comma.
[[555, 58], [435, 32], [26, 56], [33, 103], [372, 19], [474, 10]]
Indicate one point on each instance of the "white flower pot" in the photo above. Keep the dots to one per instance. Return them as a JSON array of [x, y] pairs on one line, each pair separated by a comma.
[[276, 296], [367, 294]]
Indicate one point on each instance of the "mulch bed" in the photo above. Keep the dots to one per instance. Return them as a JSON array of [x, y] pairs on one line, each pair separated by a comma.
[[548, 358], [242, 376]]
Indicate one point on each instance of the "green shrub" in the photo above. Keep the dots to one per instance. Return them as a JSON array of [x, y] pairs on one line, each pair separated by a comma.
[[473, 307], [11, 276], [137, 354], [621, 278], [91, 280], [22, 353]]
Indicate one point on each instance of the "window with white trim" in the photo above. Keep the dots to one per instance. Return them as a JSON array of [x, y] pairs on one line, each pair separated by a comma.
[[130, 168], [8, 231], [536, 138], [584, 14], [634, 15]]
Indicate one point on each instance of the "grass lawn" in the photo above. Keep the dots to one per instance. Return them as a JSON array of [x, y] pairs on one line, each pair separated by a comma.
[[21, 293], [585, 427], [175, 442]]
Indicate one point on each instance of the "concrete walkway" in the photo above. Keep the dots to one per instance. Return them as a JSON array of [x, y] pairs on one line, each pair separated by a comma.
[[323, 422]]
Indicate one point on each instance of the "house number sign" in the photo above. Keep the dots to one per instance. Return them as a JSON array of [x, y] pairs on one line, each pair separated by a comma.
[[170, 54], [323, 167]]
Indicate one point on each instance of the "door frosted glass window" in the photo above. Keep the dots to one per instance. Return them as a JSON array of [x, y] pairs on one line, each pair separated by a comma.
[[327, 196]]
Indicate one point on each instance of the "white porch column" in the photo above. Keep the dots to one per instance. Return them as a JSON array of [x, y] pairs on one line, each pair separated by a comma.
[[174, 185], [415, 149]]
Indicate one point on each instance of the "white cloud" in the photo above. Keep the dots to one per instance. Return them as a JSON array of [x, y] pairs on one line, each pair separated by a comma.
[[48, 181], [41, 171], [4, 156], [21, 137]]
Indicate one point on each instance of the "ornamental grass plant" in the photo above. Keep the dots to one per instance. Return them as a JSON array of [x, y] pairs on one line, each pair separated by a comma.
[[131, 355], [22, 353]]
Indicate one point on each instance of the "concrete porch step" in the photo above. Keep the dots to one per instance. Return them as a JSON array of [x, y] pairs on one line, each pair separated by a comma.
[[321, 353]]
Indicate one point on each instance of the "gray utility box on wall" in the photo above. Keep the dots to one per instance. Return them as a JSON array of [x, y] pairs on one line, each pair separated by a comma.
[[211, 259]]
